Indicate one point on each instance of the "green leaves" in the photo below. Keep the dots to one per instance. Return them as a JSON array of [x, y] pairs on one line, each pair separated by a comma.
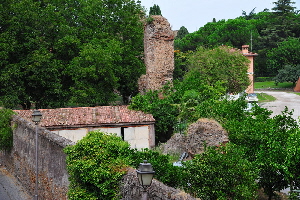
[[96, 165], [6, 135], [220, 173], [43, 43], [222, 64], [286, 53]]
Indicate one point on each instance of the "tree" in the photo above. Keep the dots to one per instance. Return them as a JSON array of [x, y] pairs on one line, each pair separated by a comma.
[[222, 64], [286, 53], [155, 10], [220, 173], [96, 165], [182, 32], [288, 74], [265, 141], [251, 15], [283, 7], [53, 38]]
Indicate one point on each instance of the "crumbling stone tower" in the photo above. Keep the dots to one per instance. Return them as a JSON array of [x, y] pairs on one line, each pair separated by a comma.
[[159, 54]]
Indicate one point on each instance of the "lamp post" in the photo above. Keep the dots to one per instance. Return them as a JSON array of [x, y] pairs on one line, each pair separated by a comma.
[[145, 174], [36, 118]]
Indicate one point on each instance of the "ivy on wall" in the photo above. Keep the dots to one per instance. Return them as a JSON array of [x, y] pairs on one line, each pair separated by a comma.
[[6, 135]]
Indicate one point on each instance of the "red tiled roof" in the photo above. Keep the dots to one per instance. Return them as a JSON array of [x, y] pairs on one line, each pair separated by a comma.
[[88, 116]]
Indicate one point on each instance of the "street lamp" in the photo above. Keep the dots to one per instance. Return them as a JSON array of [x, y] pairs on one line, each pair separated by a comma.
[[145, 174], [36, 118]]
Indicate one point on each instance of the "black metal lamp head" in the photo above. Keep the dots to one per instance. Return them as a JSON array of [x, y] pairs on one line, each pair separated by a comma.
[[36, 116], [145, 174]]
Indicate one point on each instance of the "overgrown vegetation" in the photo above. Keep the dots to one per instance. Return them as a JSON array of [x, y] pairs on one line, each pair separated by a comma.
[[6, 135], [69, 52], [275, 35], [97, 162]]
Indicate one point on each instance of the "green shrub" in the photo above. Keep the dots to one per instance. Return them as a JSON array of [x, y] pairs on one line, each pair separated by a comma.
[[6, 134], [96, 165], [162, 165], [220, 173]]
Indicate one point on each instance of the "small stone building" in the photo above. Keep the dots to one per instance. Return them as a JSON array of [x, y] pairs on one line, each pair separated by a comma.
[[135, 127]]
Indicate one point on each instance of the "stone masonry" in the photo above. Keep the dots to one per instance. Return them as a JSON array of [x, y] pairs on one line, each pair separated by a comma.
[[159, 54]]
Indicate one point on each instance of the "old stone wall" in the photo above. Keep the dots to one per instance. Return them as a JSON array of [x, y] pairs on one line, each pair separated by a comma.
[[131, 189], [159, 54], [20, 161]]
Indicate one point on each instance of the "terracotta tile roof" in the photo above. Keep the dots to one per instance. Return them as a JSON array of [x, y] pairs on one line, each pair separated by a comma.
[[88, 116]]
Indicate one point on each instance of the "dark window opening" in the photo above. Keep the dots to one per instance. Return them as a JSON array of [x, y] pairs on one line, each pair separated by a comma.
[[122, 132]]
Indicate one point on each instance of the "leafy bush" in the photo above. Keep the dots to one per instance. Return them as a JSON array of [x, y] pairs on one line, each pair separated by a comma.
[[162, 165], [220, 173], [6, 135], [96, 165], [288, 74]]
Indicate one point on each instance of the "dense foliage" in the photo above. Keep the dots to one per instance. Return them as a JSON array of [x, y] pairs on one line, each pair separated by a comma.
[[97, 163], [55, 53], [182, 32], [263, 31], [155, 10], [220, 173], [205, 77], [6, 136], [288, 74], [222, 64]]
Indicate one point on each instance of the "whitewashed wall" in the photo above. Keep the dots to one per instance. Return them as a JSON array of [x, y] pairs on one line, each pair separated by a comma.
[[139, 137]]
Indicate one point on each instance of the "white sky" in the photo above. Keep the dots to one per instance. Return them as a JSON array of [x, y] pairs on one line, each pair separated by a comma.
[[194, 14]]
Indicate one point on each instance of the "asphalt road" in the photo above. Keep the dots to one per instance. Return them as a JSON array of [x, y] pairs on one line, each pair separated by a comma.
[[292, 101], [10, 188]]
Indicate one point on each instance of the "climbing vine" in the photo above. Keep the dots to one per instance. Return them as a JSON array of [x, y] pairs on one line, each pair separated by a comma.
[[6, 135]]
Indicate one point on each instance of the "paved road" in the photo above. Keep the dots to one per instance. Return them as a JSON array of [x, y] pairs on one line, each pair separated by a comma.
[[292, 101], [10, 188]]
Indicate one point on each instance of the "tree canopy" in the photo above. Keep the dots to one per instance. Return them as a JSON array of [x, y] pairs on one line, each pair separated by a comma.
[[263, 31], [182, 32], [155, 10], [222, 64], [55, 53]]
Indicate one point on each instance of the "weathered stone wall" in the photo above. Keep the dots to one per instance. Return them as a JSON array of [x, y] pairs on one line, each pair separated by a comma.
[[131, 189], [159, 54], [20, 161]]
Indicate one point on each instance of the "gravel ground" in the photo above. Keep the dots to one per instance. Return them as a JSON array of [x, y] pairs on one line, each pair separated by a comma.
[[291, 100], [10, 188]]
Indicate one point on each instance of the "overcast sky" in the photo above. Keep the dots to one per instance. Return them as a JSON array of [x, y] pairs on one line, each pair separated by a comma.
[[194, 14]]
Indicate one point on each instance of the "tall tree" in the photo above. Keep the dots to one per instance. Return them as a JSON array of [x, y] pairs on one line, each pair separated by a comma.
[[222, 64], [155, 10], [286, 53], [283, 7], [182, 32], [41, 41]]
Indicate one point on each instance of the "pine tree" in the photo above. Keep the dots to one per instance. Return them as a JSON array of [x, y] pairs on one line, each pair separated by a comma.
[[155, 10]]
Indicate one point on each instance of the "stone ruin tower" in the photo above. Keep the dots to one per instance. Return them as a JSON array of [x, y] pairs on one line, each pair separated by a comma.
[[159, 54]]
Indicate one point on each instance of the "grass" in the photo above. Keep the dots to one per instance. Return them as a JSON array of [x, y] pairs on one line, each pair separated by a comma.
[[263, 97], [271, 84]]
